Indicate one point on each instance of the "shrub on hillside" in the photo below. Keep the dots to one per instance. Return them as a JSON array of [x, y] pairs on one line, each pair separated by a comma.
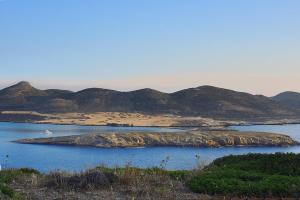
[[252, 175]]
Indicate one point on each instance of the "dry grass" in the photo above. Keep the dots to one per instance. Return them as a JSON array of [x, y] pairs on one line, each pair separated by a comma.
[[89, 180], [160, 184], [105, 118], [106, 183], [128, 182]]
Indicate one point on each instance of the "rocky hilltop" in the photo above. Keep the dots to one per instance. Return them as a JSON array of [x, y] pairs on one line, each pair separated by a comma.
[[181, 139], [205, 101]]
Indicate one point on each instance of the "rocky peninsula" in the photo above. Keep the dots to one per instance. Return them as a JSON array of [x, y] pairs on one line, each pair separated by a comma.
[[195, 138]]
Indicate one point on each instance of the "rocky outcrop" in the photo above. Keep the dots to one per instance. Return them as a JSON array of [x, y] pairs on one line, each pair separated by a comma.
[[181, 139]]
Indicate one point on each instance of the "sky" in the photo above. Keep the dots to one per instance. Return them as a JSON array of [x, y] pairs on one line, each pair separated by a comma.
[[245, 45]]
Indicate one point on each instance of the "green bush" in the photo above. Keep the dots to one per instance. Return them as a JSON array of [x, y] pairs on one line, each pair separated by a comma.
[[279, 163], [7, 191], [253, 175], [8, 175]]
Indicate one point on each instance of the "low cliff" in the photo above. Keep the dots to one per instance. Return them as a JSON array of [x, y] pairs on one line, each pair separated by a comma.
[[183, 139]]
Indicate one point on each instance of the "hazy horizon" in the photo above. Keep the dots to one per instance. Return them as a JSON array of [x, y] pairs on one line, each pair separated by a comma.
[[250, 46]]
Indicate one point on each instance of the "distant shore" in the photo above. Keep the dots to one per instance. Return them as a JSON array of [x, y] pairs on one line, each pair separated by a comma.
[[199, 132], [119, 119]]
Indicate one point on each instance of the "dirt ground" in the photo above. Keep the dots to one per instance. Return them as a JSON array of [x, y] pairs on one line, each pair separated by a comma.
[[119, 118]]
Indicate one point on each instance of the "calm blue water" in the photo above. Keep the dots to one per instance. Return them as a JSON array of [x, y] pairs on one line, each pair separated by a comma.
[[47, 158]]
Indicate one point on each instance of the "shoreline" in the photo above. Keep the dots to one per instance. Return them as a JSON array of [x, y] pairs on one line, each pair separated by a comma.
[[93, 125], [124, 119], [168, 146], [156, 126]]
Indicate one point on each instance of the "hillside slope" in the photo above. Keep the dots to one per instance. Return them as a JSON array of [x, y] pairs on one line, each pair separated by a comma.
[[289, 99], [204, 101]]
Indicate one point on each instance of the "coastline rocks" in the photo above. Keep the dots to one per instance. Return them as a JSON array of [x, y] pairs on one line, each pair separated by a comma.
[[180, 139]]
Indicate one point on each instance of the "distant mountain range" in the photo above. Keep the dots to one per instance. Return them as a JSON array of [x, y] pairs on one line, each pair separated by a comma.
[[206, 101]]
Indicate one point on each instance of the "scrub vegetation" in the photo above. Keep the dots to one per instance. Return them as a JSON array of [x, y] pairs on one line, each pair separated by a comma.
[[245, 176], [253, 175]]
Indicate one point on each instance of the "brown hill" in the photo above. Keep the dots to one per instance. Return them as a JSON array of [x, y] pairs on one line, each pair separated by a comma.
[[205, 101], [289, 99]]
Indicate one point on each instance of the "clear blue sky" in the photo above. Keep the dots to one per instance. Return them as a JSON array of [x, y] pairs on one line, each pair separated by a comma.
[[248, 45]]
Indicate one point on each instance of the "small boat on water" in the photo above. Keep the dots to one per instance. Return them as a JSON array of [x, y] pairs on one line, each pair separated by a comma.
[[47, 132]]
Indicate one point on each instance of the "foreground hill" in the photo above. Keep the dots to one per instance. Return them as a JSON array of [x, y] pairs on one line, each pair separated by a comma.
[[252, 176], [206, 101]]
